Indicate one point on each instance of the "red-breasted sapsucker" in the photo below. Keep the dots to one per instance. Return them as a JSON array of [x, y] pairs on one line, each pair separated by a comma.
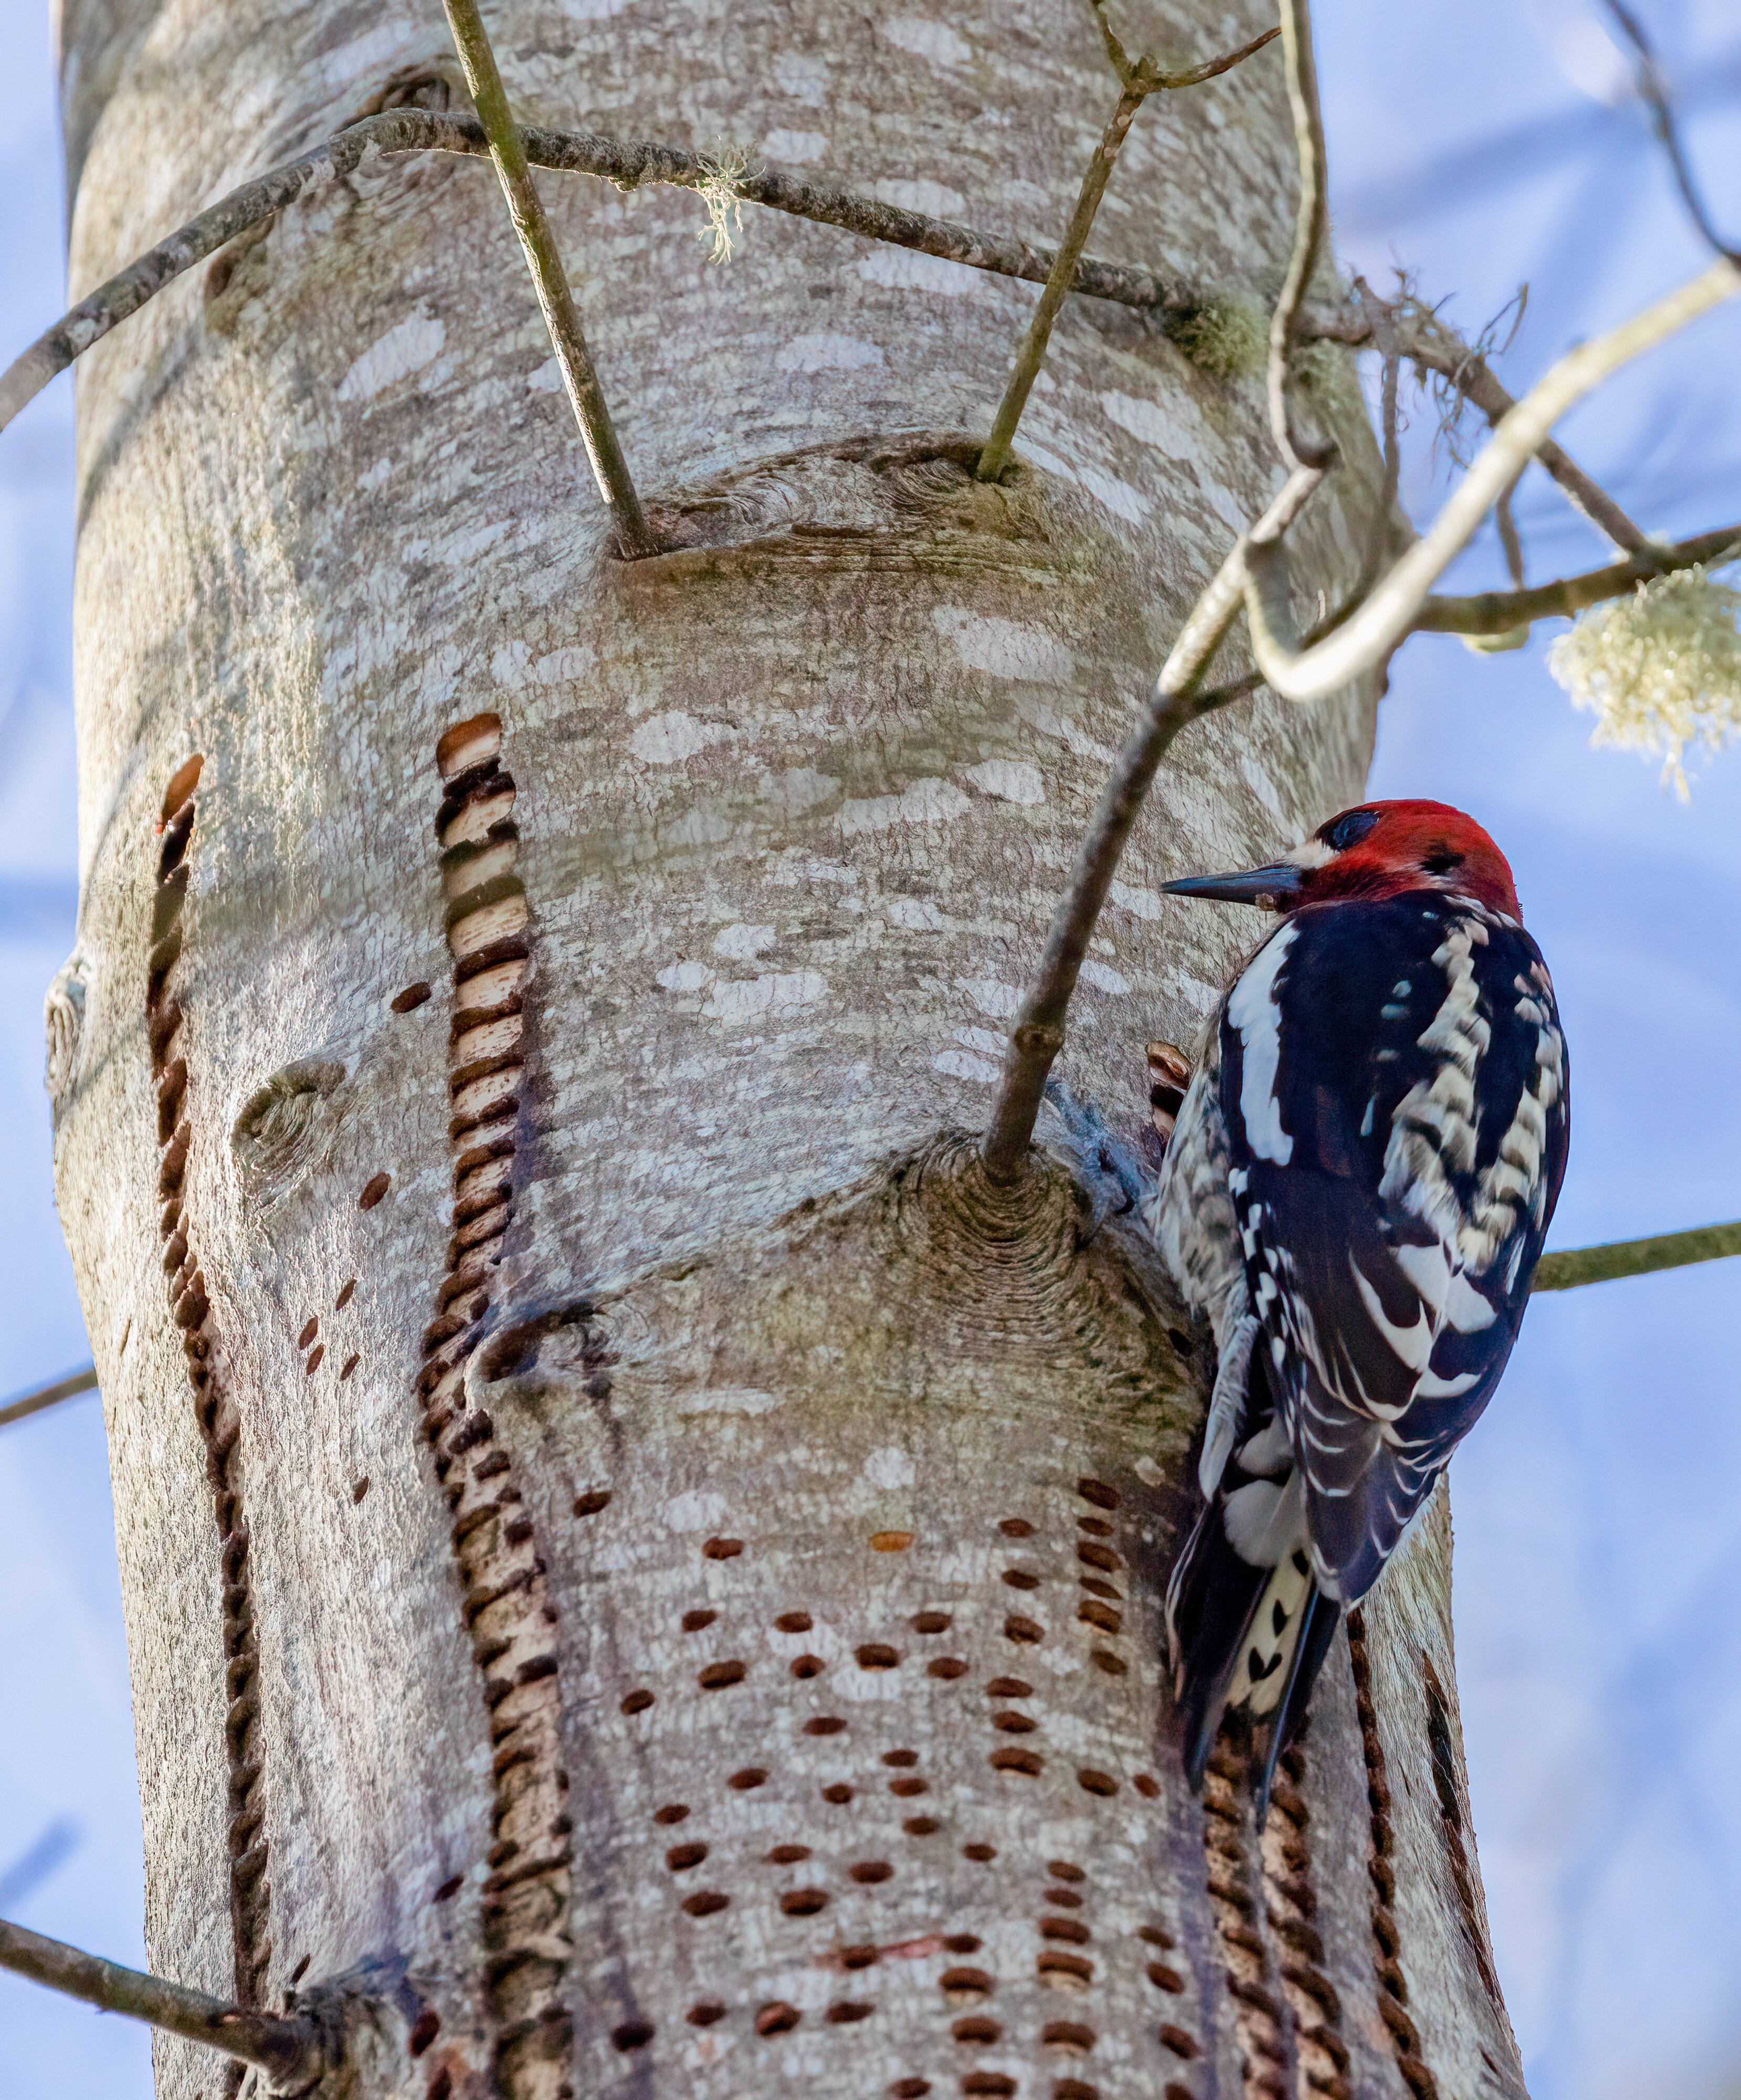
[[1356, 1193]]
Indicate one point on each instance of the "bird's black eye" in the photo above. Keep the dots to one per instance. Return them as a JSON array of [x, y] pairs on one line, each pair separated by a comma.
[[1442, 862], [1348, 829]]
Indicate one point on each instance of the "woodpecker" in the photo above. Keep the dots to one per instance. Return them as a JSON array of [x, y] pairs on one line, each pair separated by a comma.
[[1363, 1168]]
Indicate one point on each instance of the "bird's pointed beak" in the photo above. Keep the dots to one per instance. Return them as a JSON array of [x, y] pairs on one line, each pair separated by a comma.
[[1265, 887]]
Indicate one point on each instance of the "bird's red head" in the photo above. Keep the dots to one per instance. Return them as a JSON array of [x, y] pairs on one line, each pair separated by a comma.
[[1377, 849]]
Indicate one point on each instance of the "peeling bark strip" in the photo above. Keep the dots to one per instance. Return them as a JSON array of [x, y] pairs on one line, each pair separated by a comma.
[[1393, 1986], [220, 1428], [508, 1614], [1322, 2059], [1259, 2017]]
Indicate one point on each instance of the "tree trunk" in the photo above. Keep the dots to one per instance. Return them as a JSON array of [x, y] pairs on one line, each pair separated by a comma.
[[642, 1567]]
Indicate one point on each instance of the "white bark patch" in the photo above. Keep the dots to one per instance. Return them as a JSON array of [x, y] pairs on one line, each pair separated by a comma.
[[828, 353], [1261, 785], [926, 801], [727, 1399], [1119, 497], [1171, 433], [372, 52], [1006, 648], [742, 943], [684, 976], [925, 39], [757, 998], [401, 351], [1205, 998], [801, 147], [1009, 779], [1043, 456], [1140, 903], [918, 915], [963, 1065], [592, 11], [804, 78], [668, 739], [1104, 979], [983, 1039], [697, 1509], [937, 199], [801, 787], [888, 1467], [905, 270], [1001, 1001], [562, 665]]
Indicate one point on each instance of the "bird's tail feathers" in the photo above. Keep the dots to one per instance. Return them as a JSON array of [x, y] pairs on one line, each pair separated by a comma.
[[1243, 1637]]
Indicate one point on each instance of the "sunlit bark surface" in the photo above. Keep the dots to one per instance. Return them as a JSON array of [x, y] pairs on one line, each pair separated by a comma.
[[642, 1569]]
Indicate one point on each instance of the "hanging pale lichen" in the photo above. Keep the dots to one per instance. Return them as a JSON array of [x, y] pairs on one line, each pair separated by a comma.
[[722, 170], [1659, 670]]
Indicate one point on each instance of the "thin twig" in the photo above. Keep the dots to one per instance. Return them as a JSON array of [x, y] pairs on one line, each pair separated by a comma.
[[1391, 612], [1622, 1258], [1176, 698], [1649, 85], [1032, 352], [1140, 79], [1498, 612], [1507, 527], [289, 2048], [1426, 340], [47, 1395], [579, 380], [1378, 541], [1296, 450]]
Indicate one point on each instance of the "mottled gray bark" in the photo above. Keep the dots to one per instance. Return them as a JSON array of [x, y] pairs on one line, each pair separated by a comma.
[[642, 1568]]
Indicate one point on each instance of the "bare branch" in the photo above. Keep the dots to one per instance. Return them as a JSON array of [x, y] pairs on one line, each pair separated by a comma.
[[625, 163], [1032, 352], [1622, 1258], [1177, 698], [47, 1395], [1649, 85], [289, 2048], [1391, 612], [579, 380], [1497, 612], [1296, 450]]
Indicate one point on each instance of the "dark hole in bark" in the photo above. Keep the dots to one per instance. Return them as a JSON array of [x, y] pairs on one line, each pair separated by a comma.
[[673, 1812], [1098, 1493], [1016, 1527], [693, 1622], [946, 1666], [977, 2030], [794, 1622], [1096, 1782], [632, 2034], [870, 1871], [931, 1622]]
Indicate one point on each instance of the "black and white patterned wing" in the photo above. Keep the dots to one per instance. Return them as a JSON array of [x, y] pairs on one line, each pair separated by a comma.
[[1394, 1087]]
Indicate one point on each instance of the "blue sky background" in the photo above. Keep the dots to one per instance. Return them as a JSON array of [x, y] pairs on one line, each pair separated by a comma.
[[1598, 1524]]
